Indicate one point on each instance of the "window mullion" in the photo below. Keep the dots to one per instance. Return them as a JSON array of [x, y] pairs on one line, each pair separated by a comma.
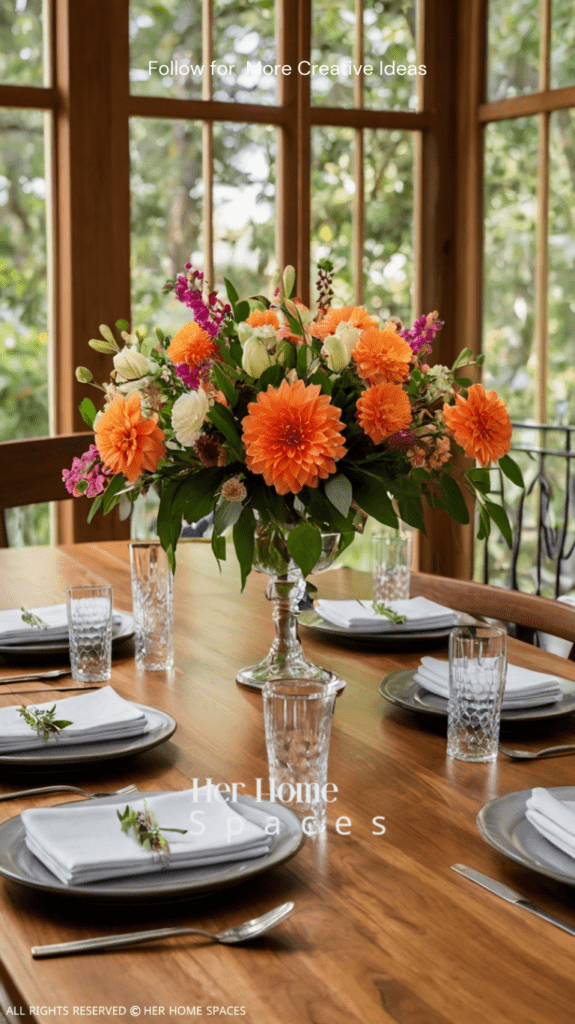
[[542, 258], [208, 143], [358, 157]]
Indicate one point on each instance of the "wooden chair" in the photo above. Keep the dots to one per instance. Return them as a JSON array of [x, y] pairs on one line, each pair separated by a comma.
[[527, 611], [31, 471]]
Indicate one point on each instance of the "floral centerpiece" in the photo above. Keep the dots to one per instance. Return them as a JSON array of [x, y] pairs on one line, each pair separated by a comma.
[[291, 425]]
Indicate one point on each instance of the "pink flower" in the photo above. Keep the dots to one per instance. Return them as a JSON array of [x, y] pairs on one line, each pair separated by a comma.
[[422, 334], [88, 470]]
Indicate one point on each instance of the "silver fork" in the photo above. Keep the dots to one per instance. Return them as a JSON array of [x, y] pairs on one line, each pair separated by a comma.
[[65, 789], [532, 755], [240, 933]]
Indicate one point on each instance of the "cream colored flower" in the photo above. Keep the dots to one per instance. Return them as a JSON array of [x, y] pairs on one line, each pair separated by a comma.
[[337, 347], [255, 358], [234, 490], [130, 365], [188, 415]]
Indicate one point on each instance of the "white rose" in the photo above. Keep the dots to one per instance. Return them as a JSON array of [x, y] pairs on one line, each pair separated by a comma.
[[245, 331], [337, 347], [256, 358], [129, 387], [130, 364], [188, 415], [266, 332]]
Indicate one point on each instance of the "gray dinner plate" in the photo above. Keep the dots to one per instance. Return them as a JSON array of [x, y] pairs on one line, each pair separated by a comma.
[[393, 641], [19, 865], [160, 727], [503, 824], [401, 689], [124, 631]]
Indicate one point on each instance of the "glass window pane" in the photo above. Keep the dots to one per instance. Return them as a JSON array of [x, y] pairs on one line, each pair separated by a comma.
[[389, 48], [389, 225], [167, 202], [332, 42], [21, 42], [244, 51], [167, 36], [513, 48], [511, 149], [561, 298], [332, 191], [562, 44], [244, 205]]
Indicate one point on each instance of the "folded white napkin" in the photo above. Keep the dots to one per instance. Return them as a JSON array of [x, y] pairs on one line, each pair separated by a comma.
[[85, 843], [14, 632], [554, 819], [361, 616], [523, 687], [102, 715]]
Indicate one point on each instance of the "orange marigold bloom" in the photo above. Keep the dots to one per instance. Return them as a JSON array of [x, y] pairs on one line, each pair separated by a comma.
[[293, 436], [127, 442], [191, 345], [357, 316], [382, 356], [480, 424], [263, 317], [382, 410]]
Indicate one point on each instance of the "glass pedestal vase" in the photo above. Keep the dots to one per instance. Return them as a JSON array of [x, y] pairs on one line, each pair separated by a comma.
[[286, 589]]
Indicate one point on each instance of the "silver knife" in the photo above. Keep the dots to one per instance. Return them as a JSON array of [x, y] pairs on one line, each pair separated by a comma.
[[511, 896], [30, 676]]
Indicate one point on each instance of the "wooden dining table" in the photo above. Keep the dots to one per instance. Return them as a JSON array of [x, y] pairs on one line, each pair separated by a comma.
[[383, 930]]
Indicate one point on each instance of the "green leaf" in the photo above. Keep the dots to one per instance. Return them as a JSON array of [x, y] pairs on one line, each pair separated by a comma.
[[340, 492], [265, 302], [411, 512], [463, 358], [484, 524], [321, 378], [88, 411], [106, 347], [117, 483], [224, 421], [241, 311], [273, 375], [232, 293], [463, 382], [243, 534], [95, 506], [227, 513], [480, 478], [122, 325], [198, 491], [219, 546], [372, 497], [164, 527], [295, 324], [499, 517], [301, 360], [304, 546], [456, 505], [225, 385], [512, 471]]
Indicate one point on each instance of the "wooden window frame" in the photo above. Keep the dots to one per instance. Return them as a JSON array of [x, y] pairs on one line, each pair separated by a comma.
[[91, 104]]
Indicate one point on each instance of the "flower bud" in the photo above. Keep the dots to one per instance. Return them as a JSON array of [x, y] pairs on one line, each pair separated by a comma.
[[289, 280], [337, 347], [130, 364], [84, 375], [102, 346], [256, 358]]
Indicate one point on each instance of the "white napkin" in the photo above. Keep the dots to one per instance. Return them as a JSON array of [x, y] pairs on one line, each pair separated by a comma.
[[554, 819], [523, 687], [85, 843], [361, 616], [102, 715], [14, 632]]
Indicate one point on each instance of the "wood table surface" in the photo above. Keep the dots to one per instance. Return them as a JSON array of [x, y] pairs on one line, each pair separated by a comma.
[[384, 930]]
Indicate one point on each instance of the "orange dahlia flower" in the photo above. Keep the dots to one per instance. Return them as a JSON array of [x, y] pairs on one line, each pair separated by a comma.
[[382, 356], [480, 424], [263, 317], [127, 442], [382, 410], [357, 316], [293, 436], [191, 345]]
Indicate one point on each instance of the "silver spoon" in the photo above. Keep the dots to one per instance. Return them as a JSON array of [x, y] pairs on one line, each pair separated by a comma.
[[64, 789], [532, 755], [239, 933]]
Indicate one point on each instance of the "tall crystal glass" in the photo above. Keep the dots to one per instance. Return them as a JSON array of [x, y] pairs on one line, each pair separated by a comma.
[[89, 611], [477, 673], [153, 606], [286, 589]]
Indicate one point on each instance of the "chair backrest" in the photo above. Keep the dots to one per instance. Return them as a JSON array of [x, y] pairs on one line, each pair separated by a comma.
[[481, 599], [31, 471]]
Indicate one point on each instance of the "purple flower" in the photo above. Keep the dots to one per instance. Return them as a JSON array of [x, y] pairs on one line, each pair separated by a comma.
[[190, 375], [422, 334], [208, 315]]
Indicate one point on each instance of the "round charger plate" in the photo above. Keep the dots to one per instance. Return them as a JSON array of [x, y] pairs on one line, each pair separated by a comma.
[[400, 688], [20, 865], [393, 641], [160, 727], [124, 631], [503, 824]]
